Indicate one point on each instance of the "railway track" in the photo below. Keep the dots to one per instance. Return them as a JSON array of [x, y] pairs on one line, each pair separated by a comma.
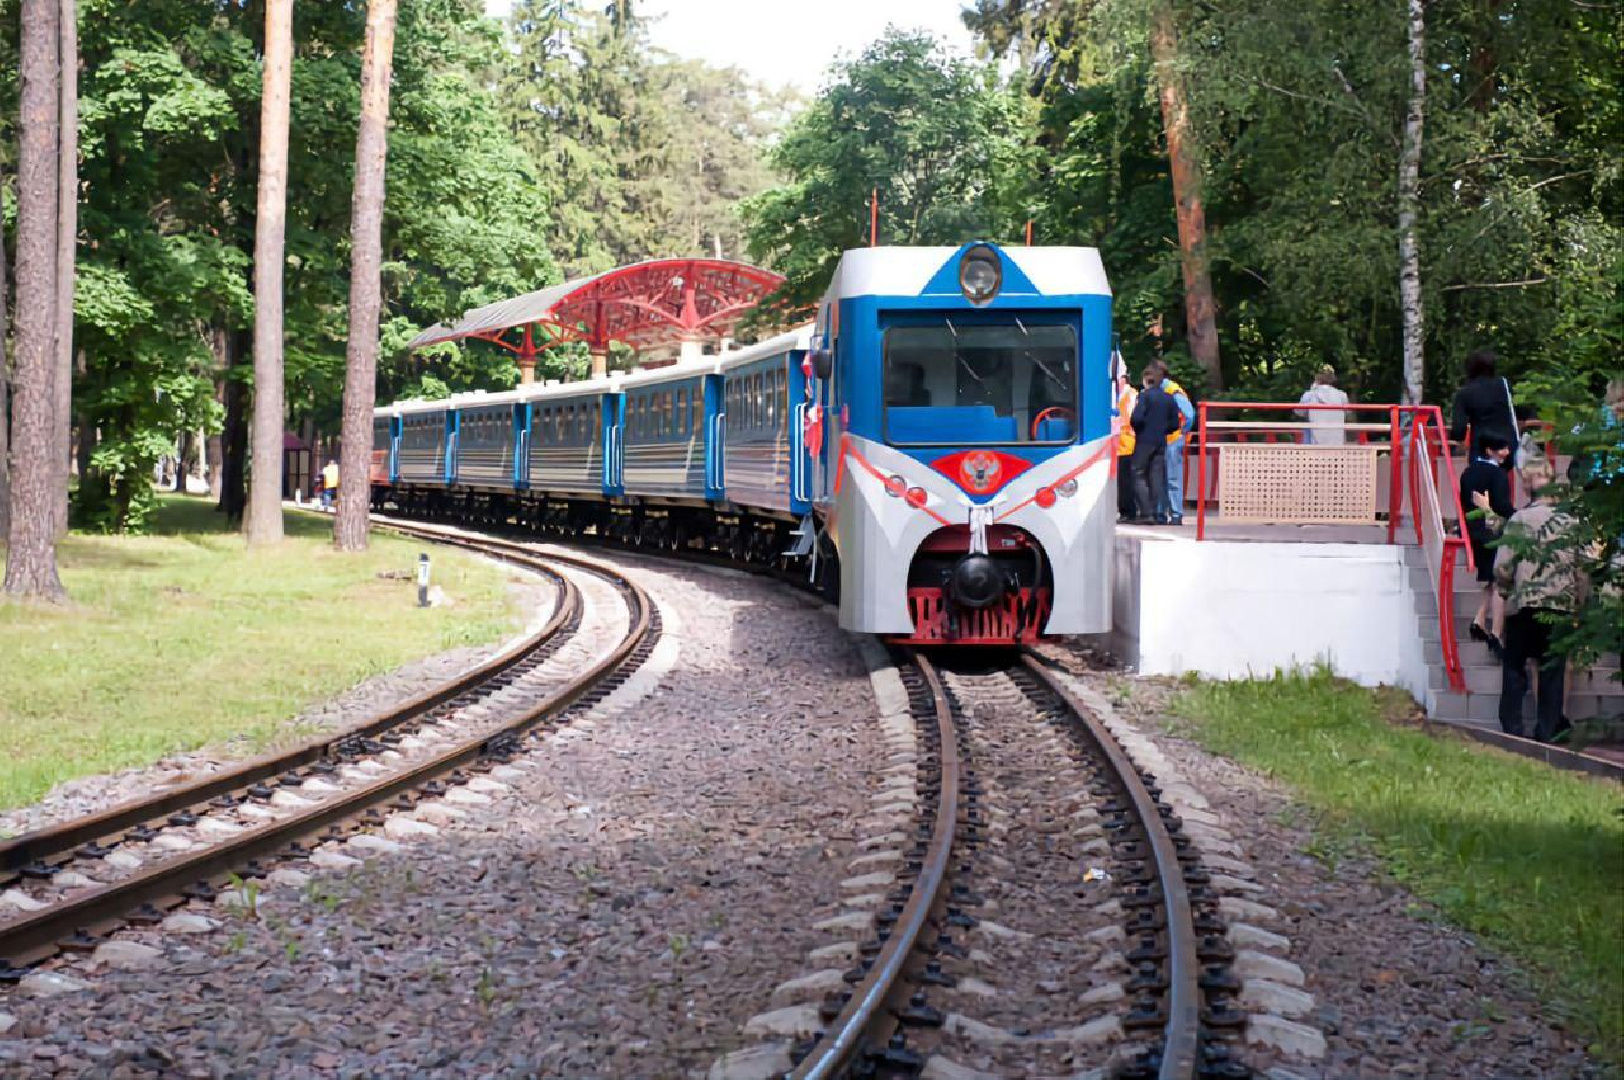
[[326, 789], [882, 1026]]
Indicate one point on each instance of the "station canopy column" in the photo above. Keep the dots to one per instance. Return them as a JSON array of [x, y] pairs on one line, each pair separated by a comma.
[[643, 305]]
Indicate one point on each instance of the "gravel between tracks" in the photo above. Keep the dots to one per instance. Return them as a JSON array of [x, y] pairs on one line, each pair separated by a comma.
[[620, 909], [1396, 994], [1038, 992], [87, 795]]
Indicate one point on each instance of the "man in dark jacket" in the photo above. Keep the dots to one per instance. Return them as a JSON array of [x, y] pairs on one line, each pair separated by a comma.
[[1155, 417], [1484, 405]]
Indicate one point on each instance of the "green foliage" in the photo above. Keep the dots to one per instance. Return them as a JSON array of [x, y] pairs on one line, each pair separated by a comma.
[[939, 138], [169, 104], [1497, 843], [1298, 111], [645, 155]]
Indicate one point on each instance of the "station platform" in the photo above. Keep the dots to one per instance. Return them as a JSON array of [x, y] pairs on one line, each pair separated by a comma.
[[1252, 599]]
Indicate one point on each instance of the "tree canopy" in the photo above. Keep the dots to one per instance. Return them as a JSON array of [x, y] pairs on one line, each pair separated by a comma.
[[939, 138]]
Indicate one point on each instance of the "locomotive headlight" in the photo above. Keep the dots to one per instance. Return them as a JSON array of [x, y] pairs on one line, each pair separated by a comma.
[[980, 274], [1066, 489]]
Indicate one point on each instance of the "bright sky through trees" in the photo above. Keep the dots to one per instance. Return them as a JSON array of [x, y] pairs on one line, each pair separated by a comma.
[[778, 43]]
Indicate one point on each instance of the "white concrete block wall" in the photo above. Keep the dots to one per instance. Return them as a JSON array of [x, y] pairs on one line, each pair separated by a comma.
[[1228, 609]]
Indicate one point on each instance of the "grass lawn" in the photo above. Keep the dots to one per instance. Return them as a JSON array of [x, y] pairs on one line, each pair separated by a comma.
[[184, 639], [1528, 858]]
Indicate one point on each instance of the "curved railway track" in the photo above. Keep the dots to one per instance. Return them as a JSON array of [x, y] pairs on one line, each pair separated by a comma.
[[866, 1030], [81, 917]]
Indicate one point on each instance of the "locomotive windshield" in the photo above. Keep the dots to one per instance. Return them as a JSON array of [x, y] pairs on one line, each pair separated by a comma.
[[952, 385]]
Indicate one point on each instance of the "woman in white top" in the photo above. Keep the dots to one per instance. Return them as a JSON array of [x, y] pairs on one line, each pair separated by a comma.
[[1325, 424]]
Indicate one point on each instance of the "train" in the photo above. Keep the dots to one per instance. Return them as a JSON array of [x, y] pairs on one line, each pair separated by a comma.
[[934, 450]]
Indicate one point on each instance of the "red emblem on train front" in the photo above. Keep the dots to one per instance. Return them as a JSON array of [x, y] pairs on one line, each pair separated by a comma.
[[980, 472]]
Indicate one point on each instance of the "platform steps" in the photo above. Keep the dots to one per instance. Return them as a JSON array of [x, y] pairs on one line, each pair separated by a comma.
[[1594, 692]]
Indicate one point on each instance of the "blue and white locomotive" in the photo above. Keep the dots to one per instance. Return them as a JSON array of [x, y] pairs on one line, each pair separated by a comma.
[[935, 449]]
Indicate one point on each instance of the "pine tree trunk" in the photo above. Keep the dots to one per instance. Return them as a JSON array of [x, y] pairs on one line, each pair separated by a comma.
[[366, 255], [234, 438], [31, 554], [183, 447], [67, 239], [1200, 311], [1409, 203], [264, 521], [5, 379], [216, 442]]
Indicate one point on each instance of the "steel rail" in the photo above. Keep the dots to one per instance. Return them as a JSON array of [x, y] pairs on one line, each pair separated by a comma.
[[37, 936], [866, 1019], [48, 843], [1181, 1042]]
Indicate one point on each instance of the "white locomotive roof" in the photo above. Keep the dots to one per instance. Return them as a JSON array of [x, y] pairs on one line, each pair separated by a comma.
[[906, 271], [798, 338]]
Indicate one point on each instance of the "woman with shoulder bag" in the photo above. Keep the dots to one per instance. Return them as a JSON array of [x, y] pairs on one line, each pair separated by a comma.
[[1484, 405]]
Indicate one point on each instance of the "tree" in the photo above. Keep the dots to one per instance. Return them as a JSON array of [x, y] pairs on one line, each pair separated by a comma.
[[264, 521], [1189, 202], [943, 143], [31, 552], [1409, 199], [5, 370], [366, 253], [67, 242]]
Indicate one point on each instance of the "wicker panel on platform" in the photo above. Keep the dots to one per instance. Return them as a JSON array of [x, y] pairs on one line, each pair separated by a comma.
[[1291, 484]]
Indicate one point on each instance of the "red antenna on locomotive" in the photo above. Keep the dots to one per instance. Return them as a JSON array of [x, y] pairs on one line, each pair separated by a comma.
[[874, 218]]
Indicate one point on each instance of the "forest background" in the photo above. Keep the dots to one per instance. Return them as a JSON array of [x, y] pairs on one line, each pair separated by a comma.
[[558, 142]]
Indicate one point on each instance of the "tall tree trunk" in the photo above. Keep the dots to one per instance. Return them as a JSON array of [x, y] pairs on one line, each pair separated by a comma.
[[366, 257], [234, 439], [264, 521], [183, 447], [31, 554], [1409, 202], [5, 379], [67, 239], [86, 445], [218, 338], [1200, 312]]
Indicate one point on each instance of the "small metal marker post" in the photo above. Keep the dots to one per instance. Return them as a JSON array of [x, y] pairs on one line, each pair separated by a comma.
[[423, 580]]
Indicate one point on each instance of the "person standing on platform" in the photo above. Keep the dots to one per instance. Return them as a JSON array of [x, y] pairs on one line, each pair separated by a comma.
[[1485, 486], [1484, 405], [329, 484], [1155, 416], [1325, 426], [1541, 587], [1127, 398], [1171, 505]]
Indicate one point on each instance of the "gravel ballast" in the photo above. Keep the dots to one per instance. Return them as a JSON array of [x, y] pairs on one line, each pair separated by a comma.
[[617, 901], [1395, 992]]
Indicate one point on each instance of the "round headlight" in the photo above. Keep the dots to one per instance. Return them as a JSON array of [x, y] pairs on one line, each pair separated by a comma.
[[980, 274]]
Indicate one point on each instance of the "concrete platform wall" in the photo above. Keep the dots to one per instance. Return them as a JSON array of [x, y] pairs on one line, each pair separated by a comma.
[[1233, 609]]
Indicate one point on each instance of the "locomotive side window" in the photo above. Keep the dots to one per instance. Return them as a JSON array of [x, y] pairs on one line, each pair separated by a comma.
[[980, 384]]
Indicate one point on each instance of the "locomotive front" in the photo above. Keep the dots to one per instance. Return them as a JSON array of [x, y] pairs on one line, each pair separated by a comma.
[[967, 479]]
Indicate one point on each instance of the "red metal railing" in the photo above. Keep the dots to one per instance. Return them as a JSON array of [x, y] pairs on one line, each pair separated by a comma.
[[1415, 434]]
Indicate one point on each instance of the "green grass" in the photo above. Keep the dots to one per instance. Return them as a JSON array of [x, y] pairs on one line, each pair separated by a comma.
[[185, 639], [1528, 858]]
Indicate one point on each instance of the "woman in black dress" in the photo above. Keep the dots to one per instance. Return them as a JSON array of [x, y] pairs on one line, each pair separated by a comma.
[[1484, 405], [1486, 487]]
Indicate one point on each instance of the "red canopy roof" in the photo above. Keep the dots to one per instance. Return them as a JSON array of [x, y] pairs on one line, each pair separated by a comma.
[[645, 303]]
